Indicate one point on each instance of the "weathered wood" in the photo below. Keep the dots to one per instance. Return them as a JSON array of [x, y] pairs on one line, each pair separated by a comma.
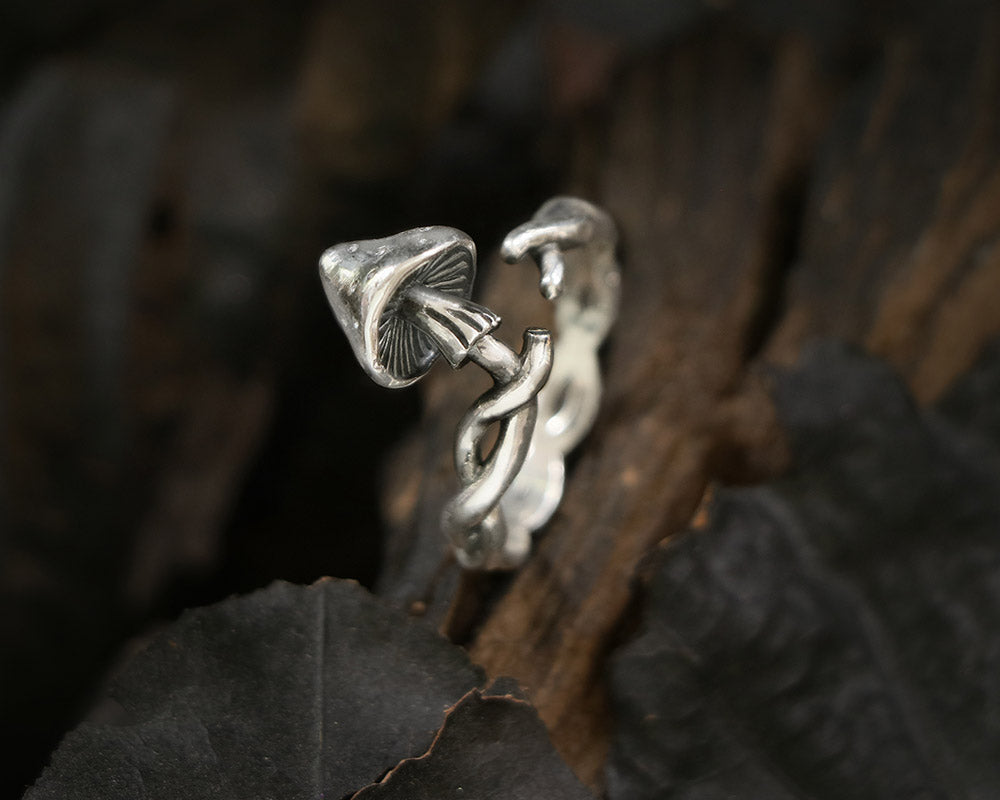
[[700, 156], [901, 238], [704, 146], [730, 164]]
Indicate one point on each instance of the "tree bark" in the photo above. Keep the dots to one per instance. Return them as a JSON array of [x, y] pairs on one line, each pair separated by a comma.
[[768, 191]]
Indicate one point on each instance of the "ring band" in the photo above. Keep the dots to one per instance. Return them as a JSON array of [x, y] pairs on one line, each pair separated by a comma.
[[402, 301]]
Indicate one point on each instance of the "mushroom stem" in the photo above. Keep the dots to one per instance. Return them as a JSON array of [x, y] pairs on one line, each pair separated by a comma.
[[496, 358], [552, 266], [455, 324], [461, 329]]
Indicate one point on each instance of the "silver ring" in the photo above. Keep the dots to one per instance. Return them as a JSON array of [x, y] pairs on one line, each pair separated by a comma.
[[404, 300]]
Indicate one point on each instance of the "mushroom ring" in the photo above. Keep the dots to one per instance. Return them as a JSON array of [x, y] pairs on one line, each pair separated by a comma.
[[402, 301]]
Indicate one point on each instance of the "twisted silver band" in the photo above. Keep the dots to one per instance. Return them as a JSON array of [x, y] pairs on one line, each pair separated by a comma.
[[404, 300]]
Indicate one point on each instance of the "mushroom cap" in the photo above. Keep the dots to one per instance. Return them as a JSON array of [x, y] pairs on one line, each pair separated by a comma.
[[364, 282]]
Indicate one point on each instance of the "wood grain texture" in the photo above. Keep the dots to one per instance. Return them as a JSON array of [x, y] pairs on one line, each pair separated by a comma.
[[700, 154], [698, 187], [899, 248], [766, 194]]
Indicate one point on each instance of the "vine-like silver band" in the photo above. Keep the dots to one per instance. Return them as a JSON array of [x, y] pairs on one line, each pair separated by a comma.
[[404, 300]]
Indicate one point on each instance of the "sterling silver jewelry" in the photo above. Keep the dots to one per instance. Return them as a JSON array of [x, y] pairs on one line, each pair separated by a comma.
[[404, 300]]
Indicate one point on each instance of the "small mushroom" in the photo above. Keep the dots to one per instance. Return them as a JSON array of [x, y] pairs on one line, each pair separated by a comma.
[[403, 300], [573, 243], [561, 224]]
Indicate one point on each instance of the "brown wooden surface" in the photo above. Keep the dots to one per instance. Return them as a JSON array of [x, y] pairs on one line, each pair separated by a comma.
[[766, 193]]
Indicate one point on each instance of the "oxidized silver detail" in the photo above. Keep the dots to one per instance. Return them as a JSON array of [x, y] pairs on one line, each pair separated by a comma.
[[365, 283], [404, 300]]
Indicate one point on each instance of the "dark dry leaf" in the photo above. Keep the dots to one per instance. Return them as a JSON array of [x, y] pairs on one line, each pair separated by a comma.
[[971, 404], [489, 747], [833, 634], [290, 692]]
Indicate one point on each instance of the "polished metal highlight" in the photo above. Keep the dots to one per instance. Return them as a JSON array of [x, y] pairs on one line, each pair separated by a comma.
[[404, 300]]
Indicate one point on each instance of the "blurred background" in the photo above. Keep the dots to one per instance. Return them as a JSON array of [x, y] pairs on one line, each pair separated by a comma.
[[180, 418]]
